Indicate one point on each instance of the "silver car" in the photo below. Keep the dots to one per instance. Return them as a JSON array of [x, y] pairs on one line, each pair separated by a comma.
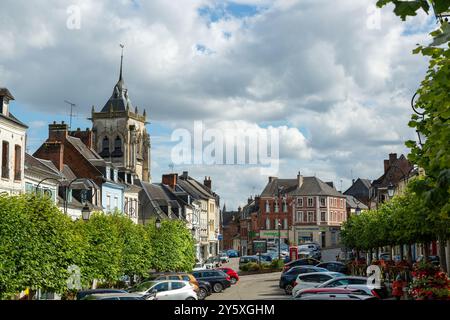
[[313, 280], [113, 296], [166, 290], [337, 296]]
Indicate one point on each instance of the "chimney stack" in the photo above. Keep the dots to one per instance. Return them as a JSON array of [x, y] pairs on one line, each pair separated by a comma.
[[5, 98], [207, 182], [170, 180], [392, 158], [299, 180], [272, 179], [386, 165], [58, 132]]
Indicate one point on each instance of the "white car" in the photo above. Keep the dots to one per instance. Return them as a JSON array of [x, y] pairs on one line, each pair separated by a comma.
[[313, 279], [166, 290], [198, 266]]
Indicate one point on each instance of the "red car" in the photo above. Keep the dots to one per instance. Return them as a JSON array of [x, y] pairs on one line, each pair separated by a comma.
[[233, 274]]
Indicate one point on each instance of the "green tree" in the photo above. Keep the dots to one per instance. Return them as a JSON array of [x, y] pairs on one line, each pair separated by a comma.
[[172, 246], [136, 251], [102, 254], [35, 245]]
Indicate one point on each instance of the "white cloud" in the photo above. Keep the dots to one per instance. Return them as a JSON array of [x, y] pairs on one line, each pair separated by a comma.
[[298, 64]]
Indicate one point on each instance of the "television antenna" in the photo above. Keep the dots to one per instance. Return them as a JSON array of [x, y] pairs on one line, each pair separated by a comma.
[[72, 105]]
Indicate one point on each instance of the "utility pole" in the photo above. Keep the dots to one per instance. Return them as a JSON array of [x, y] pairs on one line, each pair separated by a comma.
[[72, 105]]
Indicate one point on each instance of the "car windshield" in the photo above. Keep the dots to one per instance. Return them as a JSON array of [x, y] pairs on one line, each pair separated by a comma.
[[143, 286]]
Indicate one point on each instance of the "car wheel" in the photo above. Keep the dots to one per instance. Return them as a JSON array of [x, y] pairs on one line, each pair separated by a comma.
[[202, 294], [190, 298], [233, 280], [218, 287], [288, 289]]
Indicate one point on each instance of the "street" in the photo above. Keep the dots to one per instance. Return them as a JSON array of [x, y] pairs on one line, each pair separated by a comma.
[[260, 286]]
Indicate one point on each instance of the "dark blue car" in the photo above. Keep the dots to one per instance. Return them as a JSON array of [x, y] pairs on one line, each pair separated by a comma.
[[233, 253]]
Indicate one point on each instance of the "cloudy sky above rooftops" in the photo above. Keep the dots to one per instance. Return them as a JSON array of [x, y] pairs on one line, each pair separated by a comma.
[[334, 79]]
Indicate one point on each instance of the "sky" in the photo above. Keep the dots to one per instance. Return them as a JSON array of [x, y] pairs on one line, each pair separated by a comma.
[[333, 81]]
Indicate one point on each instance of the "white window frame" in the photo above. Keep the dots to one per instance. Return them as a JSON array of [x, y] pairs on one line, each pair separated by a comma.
[[310, 199], [300, 201]]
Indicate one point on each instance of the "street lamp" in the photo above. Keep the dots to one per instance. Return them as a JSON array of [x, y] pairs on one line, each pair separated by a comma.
[[158, 223], [421, 114], [279, 240], [391, 189], [86, 212]]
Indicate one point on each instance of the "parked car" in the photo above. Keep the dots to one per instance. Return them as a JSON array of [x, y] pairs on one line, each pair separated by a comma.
[[81, 294], [233, 253], [320, 291], [204, 289], [288, 278], [380, 293], [300, 262], [334, 266], [218, 279], [113, 296], [165, 290], [311, 280], [199, 266], [180, 276], [247, 259], [213, 262], [432, 259], [343, 281], [234, 277], [224, 258], [337, 296]]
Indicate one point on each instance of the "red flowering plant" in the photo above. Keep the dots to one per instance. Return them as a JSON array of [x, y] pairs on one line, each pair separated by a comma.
[[429, 283]]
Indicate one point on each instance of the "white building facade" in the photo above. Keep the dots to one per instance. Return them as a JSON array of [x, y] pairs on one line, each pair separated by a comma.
[[12, 147]]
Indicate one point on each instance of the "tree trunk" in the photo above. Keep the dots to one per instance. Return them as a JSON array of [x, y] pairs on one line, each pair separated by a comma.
[[402, 252], [409, 248], [448, 255], [426, 251], [377, 252], [442, 256]]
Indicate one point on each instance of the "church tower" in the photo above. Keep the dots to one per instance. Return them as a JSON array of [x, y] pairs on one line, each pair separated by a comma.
[[120, 135]]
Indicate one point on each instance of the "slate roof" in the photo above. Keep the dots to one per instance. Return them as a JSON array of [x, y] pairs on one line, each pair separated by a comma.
[[42, 168], [227, 217], [86, 152], [395, 172], [353, 203], [310, 186]]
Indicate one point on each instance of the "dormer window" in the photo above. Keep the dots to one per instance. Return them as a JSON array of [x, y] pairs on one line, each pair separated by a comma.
[[108, 173]]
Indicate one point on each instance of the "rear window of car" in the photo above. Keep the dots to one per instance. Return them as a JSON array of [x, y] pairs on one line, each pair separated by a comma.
[[311, 278], [357, 281], [174, 277], [186, 278]]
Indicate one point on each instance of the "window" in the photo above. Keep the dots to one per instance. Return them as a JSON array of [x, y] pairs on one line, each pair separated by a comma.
[[310, 216], [276, 206], [323, 216], [117, 144], [322, 201], [267, 223], [105, 146], [5, 160], [17, 163], [310, 202], [164, 286], [299, 216], [177, 285], [284, 205], [108, 202], [267, 206], [300, 202], [116, 202], [285, 224]]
